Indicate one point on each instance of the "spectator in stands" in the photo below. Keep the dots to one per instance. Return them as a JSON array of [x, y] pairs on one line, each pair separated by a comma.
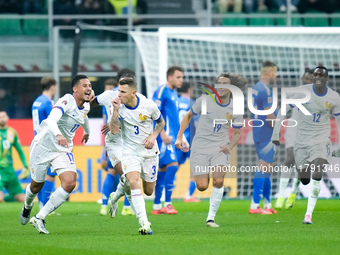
[[10, 6], [224, 6], [282, 5], [32, 6], [92, 7], [120, 7], [65, 7], [250, 6], [328, 6]]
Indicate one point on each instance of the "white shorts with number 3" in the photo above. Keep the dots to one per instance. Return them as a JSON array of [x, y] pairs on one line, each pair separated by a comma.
[[147, 167]]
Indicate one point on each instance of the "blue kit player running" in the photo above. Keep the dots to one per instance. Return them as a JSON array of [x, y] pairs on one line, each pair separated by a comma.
[[41, 108], [166, 99], [263, 100]]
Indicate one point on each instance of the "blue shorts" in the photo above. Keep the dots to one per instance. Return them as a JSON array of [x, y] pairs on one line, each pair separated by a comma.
[[167, 154], [265, 151], [50, 173], [182, 156]]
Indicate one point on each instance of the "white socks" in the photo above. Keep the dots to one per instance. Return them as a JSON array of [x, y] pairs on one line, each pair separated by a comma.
[[119, 192], [139, 205], [167, 203], [29, 201], [295, 185], [283, 186], [215, 200], [313, 196], [57, 199], [157, 206], [253, 205]]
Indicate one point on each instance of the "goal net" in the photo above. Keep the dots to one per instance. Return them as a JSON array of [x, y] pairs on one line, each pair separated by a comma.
[[204, 53]]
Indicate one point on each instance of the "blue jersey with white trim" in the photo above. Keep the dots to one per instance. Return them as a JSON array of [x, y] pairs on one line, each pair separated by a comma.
[[166, 100], [41, 108], [262, 98]]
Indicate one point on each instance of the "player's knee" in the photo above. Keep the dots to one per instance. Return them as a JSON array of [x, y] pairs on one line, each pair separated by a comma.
[[69, 185], [36, 188], [218, 183], [305, 181], [148, 191], [201, 186]]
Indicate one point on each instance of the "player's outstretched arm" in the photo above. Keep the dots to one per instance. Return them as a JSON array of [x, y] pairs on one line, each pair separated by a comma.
[[180, 143], [115, 122], [150, 141]]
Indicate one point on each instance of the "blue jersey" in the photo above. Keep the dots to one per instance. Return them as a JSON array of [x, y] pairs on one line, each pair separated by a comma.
[[167, 101], [262, 98], [41, 108], [183, 108], [105, 113]]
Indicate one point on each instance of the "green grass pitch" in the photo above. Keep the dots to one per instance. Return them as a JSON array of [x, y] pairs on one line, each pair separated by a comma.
[[82, 230]]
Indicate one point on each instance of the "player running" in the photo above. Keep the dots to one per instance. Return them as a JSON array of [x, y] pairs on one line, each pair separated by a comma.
[[211, 146], [134, 114], [52, 147], [312, 148], [290, 135], [41, 108]]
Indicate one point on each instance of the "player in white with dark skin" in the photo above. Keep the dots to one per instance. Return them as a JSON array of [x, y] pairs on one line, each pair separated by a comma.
[[211, 146], [134, 115], [52, 147], [312, 148], [290, 135]]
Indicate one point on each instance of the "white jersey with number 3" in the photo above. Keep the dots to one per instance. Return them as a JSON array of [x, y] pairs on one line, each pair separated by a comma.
[[137, 125], [316, 128]]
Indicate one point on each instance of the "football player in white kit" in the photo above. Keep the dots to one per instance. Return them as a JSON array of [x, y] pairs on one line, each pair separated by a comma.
[[52, 147], [211, 146], [113, 147], [134, 115], [290, 135], [312, 148], [113, 142]]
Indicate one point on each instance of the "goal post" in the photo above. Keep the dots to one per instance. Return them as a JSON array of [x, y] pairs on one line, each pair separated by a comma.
[[196, 48]]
